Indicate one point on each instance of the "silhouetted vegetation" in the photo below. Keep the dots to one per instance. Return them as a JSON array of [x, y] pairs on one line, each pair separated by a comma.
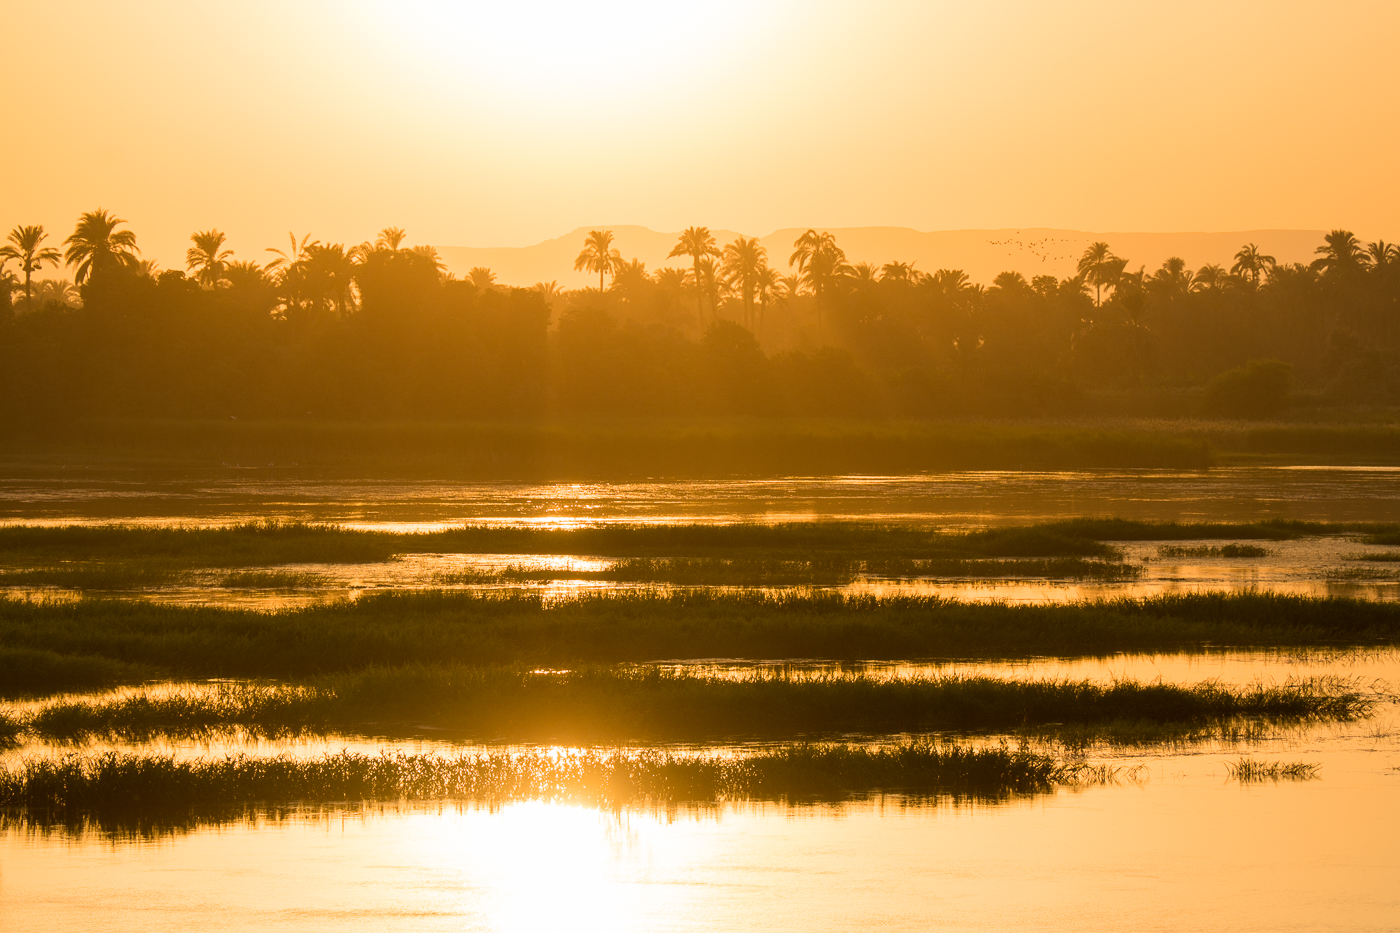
[[610, 705], [521, 628], [111, 783], [378, 330]]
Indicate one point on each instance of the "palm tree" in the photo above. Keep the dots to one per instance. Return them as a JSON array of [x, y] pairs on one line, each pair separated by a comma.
[[208, 257], [900, 272], [390, 238], [548, 290], [865, 273], [598, 255], [744, 262], [430, 255], [1173, 280], [708, 281], [292, 256], [1011, 282], [951, 282], [1252, 263], [1341, 255], [1094, 266], [1210, 278], [1380, 255], [769, 286], [330, 271], [59, 292], [290, 268], [698, 244], [481, 277], [26, 247], [98, 247], [821, 263]]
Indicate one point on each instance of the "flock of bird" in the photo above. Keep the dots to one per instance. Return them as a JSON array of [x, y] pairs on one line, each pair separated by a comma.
[[1040, 249]]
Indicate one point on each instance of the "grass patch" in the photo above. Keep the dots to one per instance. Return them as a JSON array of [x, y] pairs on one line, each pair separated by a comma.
[[721, 571], [115, 781], [270, 580], [1227, 550], [524, 629], [128, 575], [1389, 538], [1249, 770], [1122, 529], [1380, 557], [1359, 574], [607, 705], [39, 671]]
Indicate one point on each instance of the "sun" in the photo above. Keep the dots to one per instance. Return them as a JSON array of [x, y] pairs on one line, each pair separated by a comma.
[[595, 55]]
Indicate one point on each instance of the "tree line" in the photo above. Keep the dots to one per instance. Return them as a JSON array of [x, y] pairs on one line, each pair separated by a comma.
[[380, 329]]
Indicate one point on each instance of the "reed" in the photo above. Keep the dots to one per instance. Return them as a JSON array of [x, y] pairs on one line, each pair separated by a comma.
[[611, 705], [1228, 550], [1249, 770], [114, 781], [140, 639]]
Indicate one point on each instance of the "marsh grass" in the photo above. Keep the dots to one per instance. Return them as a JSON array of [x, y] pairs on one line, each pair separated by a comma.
[[833, 571], [85, 642], [115, 781], [1249, 770], [1359, 574], [126, 575], [39, 671], [271, 580], [594, 705], [1226, 550], [1380, 557]]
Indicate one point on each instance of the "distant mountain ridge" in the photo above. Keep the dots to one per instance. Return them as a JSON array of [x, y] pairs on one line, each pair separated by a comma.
[[982, 254]]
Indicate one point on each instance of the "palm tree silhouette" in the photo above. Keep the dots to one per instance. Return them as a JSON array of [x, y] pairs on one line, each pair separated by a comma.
[[1380, 255], [821, 264], [1341, 255], [865, 273], [1252, 263], [98, 247], [769, 286], [1094, 266], [1210, 278], [902, 272], [481, 277], [208, 257], [390, 238], [698, 244], [548, 290], [744, 262], [330, 269], [292, 256], [26, 247], [598, 255], [1173, 280]]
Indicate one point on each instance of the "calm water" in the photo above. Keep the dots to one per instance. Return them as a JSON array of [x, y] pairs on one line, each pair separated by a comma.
[[948, 499], [1181, 846]]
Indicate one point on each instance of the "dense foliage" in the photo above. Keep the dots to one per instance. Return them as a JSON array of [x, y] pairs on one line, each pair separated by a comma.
[[379, 330]]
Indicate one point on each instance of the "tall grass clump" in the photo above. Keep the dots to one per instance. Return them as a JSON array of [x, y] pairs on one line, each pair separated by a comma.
[[135, 640], [116, 781], [607, 704], [1249, 770]]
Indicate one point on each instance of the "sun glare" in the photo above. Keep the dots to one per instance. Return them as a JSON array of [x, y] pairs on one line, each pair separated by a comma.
[[595, 56]]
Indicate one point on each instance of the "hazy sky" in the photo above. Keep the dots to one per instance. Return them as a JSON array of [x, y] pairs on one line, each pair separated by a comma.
[[509, 122]]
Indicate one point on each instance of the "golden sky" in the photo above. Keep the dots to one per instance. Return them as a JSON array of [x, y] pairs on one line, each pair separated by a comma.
[[493, 124]]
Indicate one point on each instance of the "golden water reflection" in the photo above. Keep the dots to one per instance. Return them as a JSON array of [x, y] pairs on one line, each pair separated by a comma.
[[1316, 855]]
